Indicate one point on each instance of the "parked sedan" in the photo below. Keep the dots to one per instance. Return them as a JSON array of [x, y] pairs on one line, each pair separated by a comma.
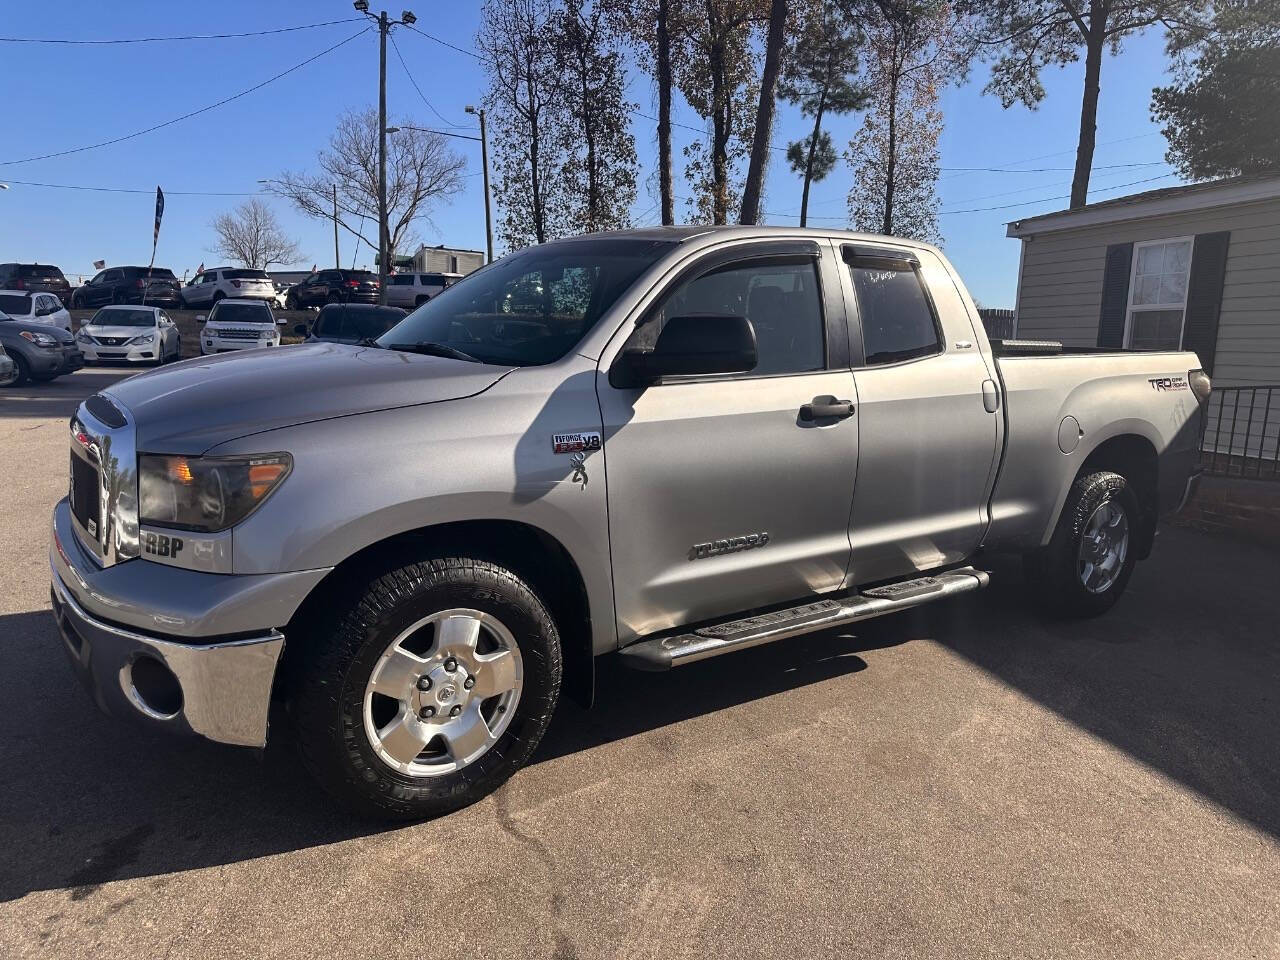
[[39, 351], [150, 285], [351, 322], [43, 308], [238, 325], [130, 334]]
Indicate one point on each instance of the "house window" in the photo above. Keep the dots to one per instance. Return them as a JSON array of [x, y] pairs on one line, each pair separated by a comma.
[[1158, 294]]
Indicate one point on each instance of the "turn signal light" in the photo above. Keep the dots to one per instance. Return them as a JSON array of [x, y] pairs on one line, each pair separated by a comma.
[[1200, 383]]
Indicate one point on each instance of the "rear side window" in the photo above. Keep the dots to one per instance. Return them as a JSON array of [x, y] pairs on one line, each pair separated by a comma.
[[897, 320], [401, 280], [15, 304]]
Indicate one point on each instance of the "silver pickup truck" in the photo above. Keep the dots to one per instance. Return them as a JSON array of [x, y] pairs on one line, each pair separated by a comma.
[[661, 444]]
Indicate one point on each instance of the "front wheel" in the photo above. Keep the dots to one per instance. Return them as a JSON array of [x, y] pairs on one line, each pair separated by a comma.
[[433, 685], [1088, 562]]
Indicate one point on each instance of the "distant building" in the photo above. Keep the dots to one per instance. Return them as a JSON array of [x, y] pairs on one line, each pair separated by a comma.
[[444, 259]]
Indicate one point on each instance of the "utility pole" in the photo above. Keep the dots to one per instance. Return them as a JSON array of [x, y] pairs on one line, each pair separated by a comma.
[[384, 233], [484, 163], [337, 263]]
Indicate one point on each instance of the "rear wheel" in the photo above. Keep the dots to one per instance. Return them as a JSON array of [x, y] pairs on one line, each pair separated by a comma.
[[1088, 562], [432, 685], [334, 298]]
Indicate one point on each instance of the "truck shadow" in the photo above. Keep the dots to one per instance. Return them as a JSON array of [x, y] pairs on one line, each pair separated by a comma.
[[1180, 676]]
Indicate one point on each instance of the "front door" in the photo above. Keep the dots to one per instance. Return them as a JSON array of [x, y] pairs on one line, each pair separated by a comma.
[[725, 492], [928, 444]]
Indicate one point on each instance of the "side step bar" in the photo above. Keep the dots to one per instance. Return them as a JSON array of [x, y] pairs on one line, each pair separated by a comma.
[[663, 653]]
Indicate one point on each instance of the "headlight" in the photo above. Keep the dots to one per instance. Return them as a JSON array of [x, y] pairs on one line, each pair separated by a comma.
[[143, 338], [206, 493], [40, 339], [267, 335]]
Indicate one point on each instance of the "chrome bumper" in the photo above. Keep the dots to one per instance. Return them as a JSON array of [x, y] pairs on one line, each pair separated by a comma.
[[219, 690]]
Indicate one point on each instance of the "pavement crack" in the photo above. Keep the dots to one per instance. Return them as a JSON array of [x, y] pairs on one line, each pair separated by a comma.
[[109, 862], [562, 943]]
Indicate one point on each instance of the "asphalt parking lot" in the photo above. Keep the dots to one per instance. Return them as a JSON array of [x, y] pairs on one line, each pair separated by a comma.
[[964, 781]]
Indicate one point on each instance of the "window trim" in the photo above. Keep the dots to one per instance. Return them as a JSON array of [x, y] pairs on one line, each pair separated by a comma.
[[1131, 307], [901, 260], [718, 261]]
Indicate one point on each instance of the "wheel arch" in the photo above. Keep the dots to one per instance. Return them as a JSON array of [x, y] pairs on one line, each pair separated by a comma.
[[1134, 457], [529, 551]]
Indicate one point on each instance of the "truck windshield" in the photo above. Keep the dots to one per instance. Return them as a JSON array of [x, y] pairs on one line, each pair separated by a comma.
[[531, 307]]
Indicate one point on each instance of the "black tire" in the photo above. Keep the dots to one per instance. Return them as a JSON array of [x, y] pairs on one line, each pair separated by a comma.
[[1056, 572], [334, 298], [219, 295], [290, 302], [21, 369], [327, 682]]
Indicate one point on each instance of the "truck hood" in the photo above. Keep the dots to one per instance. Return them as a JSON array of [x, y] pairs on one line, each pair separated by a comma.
[[197, 404]]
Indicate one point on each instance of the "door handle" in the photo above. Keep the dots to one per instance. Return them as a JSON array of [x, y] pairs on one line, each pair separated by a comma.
[[990, 396], [826, 408]]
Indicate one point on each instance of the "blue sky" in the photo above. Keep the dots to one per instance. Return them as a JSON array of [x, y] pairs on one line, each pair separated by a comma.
[[67, 96]]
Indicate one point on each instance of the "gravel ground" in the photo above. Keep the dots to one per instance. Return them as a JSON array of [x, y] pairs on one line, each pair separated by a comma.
[[964, 781]]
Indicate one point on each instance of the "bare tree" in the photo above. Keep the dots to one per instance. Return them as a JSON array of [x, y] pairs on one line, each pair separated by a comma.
[[1031, 34], [773, 50], [600, 165], [525, 100], [715, 68], [251, 236], [912, 51], [422, 170]]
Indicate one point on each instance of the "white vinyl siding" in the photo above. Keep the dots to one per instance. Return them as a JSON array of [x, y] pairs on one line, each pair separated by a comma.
[[1060, 289]]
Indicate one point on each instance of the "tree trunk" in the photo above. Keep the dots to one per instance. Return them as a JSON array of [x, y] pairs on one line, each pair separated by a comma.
[[589, 135], [891, 164], [535, 180], [808, 166], [1088, 112], [664, 115], [764, 113], [719, 137]]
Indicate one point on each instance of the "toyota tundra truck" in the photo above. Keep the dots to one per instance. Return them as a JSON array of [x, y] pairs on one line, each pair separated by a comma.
[[663, 445]]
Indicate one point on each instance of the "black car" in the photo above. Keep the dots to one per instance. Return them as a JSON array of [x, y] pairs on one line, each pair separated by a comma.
[[39, 351], [333, 286], [35, 277], [128, 285], [351, 322]]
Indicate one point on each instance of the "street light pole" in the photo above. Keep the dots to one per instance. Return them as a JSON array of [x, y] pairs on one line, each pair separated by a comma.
[[484, 163]]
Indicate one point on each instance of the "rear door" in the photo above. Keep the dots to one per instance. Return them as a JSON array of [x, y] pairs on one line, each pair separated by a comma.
[[927, 443], [722, 496]]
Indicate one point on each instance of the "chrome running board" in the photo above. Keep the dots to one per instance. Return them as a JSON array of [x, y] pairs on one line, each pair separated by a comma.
[[663, 653]]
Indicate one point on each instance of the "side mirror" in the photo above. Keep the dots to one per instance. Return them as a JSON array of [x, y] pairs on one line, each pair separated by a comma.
[[200, 318], [689, 346], [299, 328]]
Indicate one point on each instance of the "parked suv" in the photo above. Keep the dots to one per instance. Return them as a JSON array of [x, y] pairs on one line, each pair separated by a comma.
[[415, 289], [42, 277], [238, 325], [218, 284], [333, 286], [129, 285]]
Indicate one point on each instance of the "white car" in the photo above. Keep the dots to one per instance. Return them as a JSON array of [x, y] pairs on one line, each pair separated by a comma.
[[130, 334], [411, 290], [32, 307], [221, 283], [238, 325], [282, 293]]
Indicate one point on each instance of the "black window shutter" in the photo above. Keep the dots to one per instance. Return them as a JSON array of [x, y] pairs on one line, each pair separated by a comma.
[[1204, 296], [1115, 296]]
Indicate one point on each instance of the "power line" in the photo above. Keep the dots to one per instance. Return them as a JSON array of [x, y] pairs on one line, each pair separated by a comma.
[[470, 53], [1110, 166], [1043, 186], [149, 190], [1060, 153], [196, 36], [186, 116], [396, 47], [1027, 203]]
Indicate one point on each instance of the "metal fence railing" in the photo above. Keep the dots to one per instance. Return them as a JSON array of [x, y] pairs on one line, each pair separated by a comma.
[[1240, 432]]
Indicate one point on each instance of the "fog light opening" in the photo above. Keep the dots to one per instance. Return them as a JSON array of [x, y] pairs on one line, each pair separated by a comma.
[[153, 688]]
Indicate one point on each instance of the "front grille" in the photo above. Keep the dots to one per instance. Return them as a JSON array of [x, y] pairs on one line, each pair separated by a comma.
[[113, 341], [86, 503], [234, 334]]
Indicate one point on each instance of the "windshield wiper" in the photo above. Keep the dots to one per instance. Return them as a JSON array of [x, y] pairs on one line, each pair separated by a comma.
[[432, 349], [369, 342]]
